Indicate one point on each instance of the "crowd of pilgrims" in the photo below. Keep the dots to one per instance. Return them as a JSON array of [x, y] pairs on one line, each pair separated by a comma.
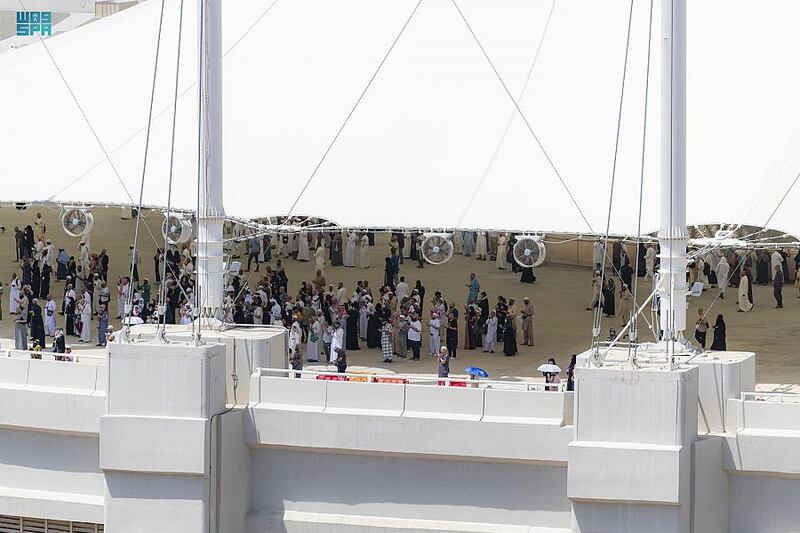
[[716, 268], [87, 295], [393, 318]]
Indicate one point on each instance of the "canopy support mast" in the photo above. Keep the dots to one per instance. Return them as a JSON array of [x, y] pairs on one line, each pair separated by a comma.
[[672, 234], [211, 213]]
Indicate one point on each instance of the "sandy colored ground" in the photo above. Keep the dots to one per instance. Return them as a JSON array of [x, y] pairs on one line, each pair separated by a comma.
[[561, 293]]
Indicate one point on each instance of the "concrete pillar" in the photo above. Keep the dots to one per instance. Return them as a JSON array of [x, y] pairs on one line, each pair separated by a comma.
[[155, 439], [630, 465]]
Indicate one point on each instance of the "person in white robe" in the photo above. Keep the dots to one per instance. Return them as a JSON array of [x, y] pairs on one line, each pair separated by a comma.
[[50, 316], [341, 294], [337, 341], [702, 277], [480, 247], [122, 293], [650, 262], [502, 249], [490, 339], [350, 250], [14, 287], [435, 325], [458, 243], [723, 270], [83, 249], [302, 247], [314, 340], [597, 253], [50, 258], [319, 258], [745, 304], [86, 320], [363, 317], [295, 336], [294, 245], [364, 252], [776, 260]]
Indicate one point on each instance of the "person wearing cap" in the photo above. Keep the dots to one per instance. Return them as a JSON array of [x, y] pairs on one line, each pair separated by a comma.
[[444, 362], [83, 250], [50, 256]]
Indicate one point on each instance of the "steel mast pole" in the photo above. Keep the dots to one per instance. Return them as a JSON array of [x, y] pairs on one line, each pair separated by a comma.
[[672, 234], [211, 213]]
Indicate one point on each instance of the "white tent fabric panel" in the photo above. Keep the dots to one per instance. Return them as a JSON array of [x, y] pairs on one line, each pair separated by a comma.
[[417, 148]]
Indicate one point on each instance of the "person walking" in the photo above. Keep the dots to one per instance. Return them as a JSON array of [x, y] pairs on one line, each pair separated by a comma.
[[701, 328], [720, 343]]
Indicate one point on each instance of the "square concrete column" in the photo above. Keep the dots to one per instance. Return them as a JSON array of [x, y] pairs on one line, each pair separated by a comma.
[[630, 465], [155, 438]]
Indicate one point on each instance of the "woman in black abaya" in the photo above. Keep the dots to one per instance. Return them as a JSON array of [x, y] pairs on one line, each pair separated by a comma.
[[351, 331]]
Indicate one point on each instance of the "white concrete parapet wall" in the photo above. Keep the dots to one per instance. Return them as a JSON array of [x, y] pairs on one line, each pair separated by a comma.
[[401, 418], [246, 348], [630, 465], [49, 426], [155, 441], [51, 395]]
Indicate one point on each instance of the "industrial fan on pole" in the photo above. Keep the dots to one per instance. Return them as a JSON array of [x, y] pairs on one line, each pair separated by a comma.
[[529, 251], [437, 248], [177, 229], [77, 221]]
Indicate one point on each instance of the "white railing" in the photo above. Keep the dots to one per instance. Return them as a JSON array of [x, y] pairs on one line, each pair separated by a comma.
[[413, 379], [775, 397], [76, 357]]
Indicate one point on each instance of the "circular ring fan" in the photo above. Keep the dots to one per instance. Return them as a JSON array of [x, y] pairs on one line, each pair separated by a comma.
[[77, 221], [177, 229], [529, 251], [437, 248]]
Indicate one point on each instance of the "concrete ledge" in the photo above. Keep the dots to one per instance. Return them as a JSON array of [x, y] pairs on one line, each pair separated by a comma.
[[769, 452], [300, 521], [433, 437], [765, 415], [14, 372], [532, 407], [629, 472], [154, 444], [380, 399], [54, 375], [454, 403], [53, 410], [54, 505], [298, 394]]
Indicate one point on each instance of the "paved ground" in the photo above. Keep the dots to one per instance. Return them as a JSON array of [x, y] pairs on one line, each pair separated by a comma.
[[562, 326]]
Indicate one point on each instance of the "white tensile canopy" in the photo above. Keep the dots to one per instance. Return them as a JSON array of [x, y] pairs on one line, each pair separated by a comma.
[[427, 145]]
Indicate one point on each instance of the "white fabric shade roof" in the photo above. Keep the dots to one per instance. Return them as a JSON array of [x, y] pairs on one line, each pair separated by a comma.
[[417, 147]]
